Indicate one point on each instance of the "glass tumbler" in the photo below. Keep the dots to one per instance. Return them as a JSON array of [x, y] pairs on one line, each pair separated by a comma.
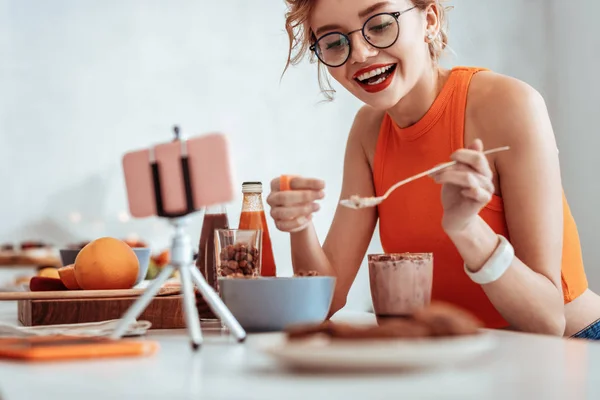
[[238, 252]]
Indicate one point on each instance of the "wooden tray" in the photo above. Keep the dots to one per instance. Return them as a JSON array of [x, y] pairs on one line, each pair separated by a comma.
[[79, 306], [83, 294], [164, 312]]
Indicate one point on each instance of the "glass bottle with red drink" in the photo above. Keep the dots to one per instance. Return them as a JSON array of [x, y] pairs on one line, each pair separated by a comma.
[[253, 217], [215, 217]]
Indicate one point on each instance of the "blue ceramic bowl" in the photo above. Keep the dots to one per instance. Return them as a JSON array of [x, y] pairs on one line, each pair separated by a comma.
[[68, 257], [143, 255], [272, 304]]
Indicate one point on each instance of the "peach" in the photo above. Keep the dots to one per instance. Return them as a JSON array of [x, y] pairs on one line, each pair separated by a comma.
[[67, 276], [106, 263]]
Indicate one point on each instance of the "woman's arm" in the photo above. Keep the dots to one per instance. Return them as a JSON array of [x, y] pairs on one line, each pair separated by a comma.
[[350, 232], [529, 294]]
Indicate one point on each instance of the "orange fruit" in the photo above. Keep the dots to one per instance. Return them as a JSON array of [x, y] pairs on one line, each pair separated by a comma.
[[67, 276], [48, 272], [162, 259], [106, 263]]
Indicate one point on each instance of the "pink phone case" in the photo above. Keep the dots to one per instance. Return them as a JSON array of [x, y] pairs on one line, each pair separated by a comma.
[[210, 172]]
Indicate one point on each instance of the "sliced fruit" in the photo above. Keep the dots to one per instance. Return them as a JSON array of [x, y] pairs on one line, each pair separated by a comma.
[[67, 276], [162, 259], [43, 284], [49, 272], [153, 270]]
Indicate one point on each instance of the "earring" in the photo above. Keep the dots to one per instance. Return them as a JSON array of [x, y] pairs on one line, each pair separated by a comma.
[[430, 37]]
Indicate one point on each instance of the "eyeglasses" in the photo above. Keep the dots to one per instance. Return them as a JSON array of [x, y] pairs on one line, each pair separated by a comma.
[[380, 31]]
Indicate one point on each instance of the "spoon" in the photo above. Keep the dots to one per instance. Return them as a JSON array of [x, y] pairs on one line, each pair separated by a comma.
[[356, 202]]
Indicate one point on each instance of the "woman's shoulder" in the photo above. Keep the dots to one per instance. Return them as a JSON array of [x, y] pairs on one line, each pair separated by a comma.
[[368, 119], [365, 129], [489, 89], [500, 108]]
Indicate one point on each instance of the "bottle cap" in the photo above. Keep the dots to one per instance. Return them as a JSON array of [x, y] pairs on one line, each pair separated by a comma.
[[252, 187]]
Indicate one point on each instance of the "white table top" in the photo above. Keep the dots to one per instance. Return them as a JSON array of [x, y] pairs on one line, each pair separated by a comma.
[[523, 367]]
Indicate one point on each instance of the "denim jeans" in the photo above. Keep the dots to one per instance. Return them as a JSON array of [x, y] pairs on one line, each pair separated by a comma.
[[591, 332]]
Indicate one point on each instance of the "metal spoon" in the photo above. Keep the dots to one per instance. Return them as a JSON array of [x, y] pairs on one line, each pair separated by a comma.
[[356, 202]]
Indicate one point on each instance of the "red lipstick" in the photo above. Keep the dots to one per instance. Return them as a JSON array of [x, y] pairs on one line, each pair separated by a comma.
[[387, 80]]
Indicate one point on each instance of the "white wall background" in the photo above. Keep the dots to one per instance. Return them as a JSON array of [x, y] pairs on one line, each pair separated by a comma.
[[575, 103], [82, 82]]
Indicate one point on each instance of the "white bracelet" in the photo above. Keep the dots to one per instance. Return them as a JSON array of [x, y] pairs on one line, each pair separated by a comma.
[[497, 264]]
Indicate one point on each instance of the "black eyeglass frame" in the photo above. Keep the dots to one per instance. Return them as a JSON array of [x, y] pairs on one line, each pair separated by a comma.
[[396, 15]]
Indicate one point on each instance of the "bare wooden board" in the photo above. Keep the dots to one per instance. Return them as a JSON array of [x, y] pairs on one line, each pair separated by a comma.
[[83, 294], [163, 312]]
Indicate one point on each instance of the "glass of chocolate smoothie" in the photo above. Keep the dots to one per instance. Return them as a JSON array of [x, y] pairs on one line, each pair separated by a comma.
[[400, 283]]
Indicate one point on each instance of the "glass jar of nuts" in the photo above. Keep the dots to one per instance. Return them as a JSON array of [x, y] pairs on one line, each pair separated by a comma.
[[238, 252]]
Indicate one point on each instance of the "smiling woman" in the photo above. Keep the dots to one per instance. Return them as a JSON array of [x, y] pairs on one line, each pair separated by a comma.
[[380, 27], [505, 244]]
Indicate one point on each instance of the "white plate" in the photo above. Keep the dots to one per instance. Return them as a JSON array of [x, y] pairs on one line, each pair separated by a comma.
[[324, 354]]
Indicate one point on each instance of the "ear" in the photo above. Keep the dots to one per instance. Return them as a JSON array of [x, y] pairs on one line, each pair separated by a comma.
[[433, 22]]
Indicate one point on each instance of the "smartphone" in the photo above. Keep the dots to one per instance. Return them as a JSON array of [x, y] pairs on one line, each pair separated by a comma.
[[53, 348], [180, 177]]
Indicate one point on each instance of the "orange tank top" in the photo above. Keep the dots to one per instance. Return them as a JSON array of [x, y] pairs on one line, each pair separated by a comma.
[[410, 220]]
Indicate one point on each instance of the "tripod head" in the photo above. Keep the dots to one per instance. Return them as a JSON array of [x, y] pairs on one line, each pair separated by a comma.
[[179, 177]]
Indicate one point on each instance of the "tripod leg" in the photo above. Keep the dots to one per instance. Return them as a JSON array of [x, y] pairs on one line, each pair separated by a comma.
[[189, 307], [217, 305], [140, 304]]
